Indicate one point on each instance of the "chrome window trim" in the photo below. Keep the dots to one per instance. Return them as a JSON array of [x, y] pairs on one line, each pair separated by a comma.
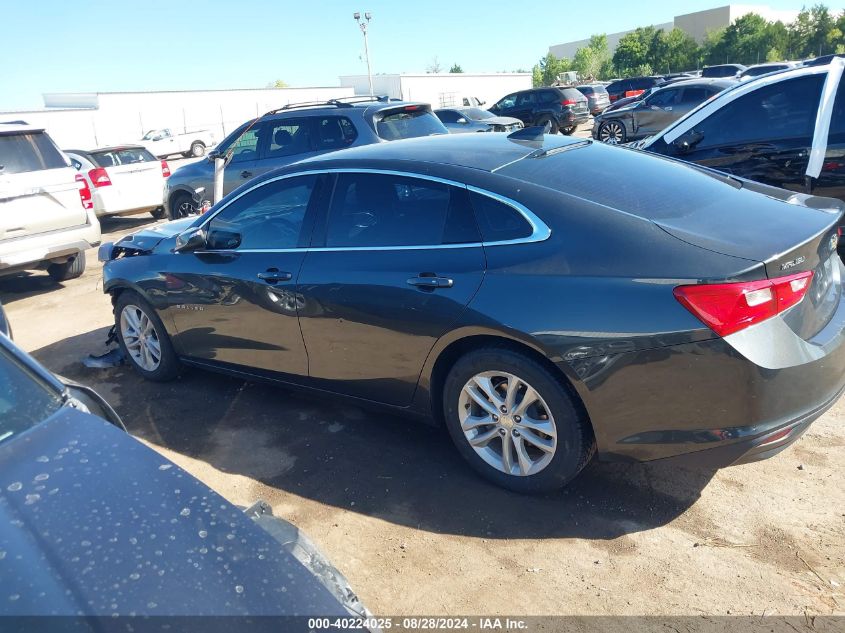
[[539, 229]]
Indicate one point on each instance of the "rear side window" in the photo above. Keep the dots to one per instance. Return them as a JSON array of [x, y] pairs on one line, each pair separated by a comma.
[[498, 221], [409, 122], [448, 116], [550, 96], [335, 132], [373, 210], [126, 156], [585, 90], [32, 151], [786, 109]]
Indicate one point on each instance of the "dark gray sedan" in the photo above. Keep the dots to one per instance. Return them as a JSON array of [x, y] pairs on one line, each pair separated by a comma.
[[458, 120], [655, 112]]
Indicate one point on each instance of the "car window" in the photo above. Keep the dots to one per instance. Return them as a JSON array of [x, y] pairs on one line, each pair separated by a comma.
[[550, 96], [408, 122], [25, 400], [786, 109], [526, 99], [837, 117], [268, 217], [694, 95], [663, 98], [125, 156], [334, 132], [31, 151], [448, 116], [372, 210], [506, 102], [498, 221], [287, 137], [246, 147], [586, 90]]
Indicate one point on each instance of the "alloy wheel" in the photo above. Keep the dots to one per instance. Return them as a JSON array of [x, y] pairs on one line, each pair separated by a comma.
[[507, 423], [612, 133], [140, 338]]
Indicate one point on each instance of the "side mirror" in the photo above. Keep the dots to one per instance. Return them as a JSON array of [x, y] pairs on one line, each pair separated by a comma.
[[461, 120], [221, 240], [687, 142], [213, 155], [190, 240]]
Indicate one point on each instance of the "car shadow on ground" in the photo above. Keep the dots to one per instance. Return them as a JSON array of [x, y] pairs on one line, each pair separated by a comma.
[[27, 284], [125, 222], [386, 466]]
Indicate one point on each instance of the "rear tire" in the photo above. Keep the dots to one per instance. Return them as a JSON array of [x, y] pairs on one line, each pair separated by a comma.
[[143, 340], [71, 269], [197, 149], [548, 438], [612, 132], [158, 213]]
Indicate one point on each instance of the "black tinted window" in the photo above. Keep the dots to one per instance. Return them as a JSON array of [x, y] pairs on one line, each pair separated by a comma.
[[24, 399], [335, 132], [506, 102], [126, 156], [663, 98], [549, 96], [269, 217], [618, 86], [526, 99], [837, 117], [409, 122], [694, 95], [498, 221], [28, 152], [386, 210], [786, 109], [287, 137], [448, 116]]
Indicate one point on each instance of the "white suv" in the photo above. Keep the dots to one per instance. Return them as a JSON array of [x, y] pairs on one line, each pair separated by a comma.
[[47, 218]]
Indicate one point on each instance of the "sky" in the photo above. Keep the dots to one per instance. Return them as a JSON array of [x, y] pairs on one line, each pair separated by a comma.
[[129, 45]]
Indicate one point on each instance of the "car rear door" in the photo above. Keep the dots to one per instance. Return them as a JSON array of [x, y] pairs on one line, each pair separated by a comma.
[[401, 259], [235, 300], [764, 135], [38, 190]]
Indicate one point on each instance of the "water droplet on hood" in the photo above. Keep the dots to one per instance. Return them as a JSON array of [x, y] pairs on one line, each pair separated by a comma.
[[14, 487]]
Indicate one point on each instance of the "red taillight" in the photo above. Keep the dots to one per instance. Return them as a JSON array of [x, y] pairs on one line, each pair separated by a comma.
[[728, 308], [411, 108], [165, 169], [568, 102], [99, 177], [84, 192]]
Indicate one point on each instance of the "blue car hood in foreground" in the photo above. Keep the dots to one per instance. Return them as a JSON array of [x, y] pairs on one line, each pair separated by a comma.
[[92, 522]]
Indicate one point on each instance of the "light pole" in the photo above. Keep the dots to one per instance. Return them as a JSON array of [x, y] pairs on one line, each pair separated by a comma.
[[363, 24]]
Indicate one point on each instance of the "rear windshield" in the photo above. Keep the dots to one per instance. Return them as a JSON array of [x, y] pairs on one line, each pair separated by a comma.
[[571, 93], [403, 123], [125, 156], [31, 151], [587, 90]]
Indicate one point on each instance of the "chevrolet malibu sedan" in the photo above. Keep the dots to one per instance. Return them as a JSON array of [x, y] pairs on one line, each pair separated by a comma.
[[495, 283]]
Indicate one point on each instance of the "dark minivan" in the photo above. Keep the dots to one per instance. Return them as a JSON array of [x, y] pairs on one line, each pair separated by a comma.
[[631, 87], [563, 109]]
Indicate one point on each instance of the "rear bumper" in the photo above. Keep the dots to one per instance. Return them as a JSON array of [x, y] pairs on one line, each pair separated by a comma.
[[574, 118], [29, 252], [706, 402]]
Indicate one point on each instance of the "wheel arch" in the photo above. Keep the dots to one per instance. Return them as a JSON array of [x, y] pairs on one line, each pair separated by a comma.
[[444, 358]]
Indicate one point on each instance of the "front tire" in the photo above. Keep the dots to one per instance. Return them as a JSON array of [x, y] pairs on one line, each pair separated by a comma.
[[567, 130], [612, 133], [553, 129], [71, 269], [182, 205], [143, 339], [514, 422]]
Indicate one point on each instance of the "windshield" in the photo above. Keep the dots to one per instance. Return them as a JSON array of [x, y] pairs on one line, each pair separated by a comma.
[[31, 151], [25, 400], [477, 114], [762, 70], [407, 123]]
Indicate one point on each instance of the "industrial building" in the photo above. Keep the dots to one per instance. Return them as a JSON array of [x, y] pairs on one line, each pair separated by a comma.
[[441, 89], [696, 24]]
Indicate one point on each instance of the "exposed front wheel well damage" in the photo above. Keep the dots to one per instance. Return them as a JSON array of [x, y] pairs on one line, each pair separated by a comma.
[[455, 350]]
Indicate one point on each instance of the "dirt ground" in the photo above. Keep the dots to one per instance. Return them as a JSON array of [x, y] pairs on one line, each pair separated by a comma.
[[416, 532]]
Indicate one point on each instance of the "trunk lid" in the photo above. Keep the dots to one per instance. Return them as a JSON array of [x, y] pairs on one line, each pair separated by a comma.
[[135, 175], [39, 201]]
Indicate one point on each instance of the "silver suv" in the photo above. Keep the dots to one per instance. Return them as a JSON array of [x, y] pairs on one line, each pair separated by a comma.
[[47, 217]]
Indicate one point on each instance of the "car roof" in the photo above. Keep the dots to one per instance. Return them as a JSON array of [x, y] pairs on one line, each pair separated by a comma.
[[115, 148], [484, 152], [723, 82], [17, 127]]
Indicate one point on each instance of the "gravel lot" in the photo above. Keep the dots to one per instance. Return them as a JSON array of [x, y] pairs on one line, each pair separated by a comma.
[[394, 507]]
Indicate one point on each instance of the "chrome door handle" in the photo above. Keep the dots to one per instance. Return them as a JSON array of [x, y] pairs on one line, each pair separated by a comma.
[[272, 276], [425, 281]]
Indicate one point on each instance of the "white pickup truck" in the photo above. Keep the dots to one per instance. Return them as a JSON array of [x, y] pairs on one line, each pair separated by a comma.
[[163, 142]]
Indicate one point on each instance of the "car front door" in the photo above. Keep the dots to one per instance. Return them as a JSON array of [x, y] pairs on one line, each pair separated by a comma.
[[244, 160], [764, 135], [401, 259], [831, 180], [505, 105], [656, 112], [235, 301], [284, 141]]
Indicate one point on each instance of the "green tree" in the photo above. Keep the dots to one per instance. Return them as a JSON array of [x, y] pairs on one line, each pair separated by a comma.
[[632, 50], [810, 33], [277, 84], [546, 72], [536, 76], [682, 51], [594, 59], [456, 68]]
